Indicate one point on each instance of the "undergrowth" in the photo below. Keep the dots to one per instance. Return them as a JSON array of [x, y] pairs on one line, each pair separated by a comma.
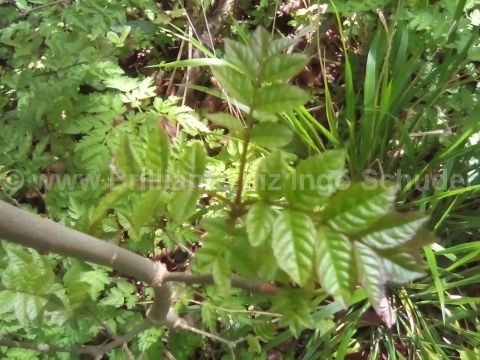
[[91, 91]]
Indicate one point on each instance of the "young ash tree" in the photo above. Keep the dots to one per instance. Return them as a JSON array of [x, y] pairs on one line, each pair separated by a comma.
[[277, 233]]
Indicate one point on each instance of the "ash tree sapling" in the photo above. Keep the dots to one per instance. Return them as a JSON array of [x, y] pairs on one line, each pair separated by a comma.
[[278, 232]]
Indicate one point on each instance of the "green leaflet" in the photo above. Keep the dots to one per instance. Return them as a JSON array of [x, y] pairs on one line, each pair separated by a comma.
[[295, 308], [126, 158], [334, 264], [214, 256], [401, 266], [279, 98], [370, 272], [356, 208], [240, 56], [282, 66], [183, 204], [259, 223], [100, 212], [278, 45], [27, 272], [293, 243], [221, 273], [150, 205], [157, 152], [193, 162], [228, 121], [260, 43], [393, 230], [271, 135], [27, 307], [7, 297], [315, 179], [235, 83], [271, 175]]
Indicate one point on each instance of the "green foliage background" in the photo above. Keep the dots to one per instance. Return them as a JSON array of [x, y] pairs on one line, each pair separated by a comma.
[[77, 97]]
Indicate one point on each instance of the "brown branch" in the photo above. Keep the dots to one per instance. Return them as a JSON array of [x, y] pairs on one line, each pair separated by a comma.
[[23, 228], [46, 236], [236, 281], [93, 350], [8, 342]]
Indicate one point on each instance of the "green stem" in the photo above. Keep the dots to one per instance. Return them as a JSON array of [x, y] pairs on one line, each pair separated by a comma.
[[241, 172]]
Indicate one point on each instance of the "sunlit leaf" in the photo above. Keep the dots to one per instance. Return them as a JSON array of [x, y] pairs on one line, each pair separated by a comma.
[[260, 220], [293, 243], [393, 230], [370, 272], [334, 264], [358, 206], [315, 179]]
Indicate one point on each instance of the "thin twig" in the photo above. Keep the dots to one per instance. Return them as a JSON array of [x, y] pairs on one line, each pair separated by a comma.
[[236, 281], [251, 312], [230, 344], [26, 13]]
